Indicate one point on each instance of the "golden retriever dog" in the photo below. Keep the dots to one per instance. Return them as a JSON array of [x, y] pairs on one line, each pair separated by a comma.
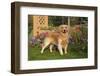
[[59, 38]]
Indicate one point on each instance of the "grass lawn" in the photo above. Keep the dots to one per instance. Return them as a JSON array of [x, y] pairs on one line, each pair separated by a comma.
[[34, 54]]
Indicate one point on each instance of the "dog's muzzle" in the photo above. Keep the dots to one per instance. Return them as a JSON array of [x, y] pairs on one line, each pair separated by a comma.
[[64, 31]]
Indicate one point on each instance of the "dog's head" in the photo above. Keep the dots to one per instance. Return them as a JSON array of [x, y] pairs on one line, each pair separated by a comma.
[[64, 29]]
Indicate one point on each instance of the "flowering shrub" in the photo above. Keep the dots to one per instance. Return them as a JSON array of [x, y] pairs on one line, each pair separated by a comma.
[[78, 39], [38, 40]]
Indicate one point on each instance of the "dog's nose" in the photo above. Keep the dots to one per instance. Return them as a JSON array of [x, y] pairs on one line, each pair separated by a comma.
[[64, 31]]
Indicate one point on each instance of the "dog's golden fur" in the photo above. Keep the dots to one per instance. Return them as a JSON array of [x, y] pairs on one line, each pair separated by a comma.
[[59, 37]]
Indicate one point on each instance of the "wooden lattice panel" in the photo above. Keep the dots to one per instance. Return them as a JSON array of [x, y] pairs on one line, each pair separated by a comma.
[[41, 20], [38, 23]]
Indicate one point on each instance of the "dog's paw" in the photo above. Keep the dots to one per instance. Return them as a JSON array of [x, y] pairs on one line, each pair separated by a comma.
[[41, 52], [65, 52], [61, 54], [51, 51]]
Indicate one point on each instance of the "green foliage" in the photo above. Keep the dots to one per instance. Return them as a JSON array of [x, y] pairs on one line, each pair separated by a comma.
[[57, 20], [30, 27]]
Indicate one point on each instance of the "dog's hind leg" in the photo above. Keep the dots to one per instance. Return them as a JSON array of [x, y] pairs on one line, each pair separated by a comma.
[[46, 43], [51, 48]]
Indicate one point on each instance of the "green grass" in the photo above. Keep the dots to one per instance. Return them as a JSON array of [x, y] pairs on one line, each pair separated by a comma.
[[34, 54]]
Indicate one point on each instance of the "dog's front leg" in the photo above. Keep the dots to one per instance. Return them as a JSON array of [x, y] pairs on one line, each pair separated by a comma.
[[60, 47], [65, 49]]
